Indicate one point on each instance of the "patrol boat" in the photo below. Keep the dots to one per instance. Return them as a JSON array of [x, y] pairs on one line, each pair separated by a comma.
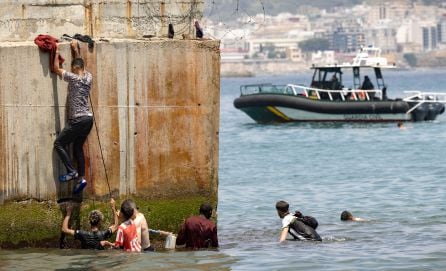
[[327, 100]]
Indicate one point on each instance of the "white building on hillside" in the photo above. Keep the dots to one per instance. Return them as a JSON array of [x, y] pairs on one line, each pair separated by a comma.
[[415, 35], [323, 57], [383, 36]]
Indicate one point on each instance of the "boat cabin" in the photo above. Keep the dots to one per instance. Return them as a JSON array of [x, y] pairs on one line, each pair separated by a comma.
[[331, 78]]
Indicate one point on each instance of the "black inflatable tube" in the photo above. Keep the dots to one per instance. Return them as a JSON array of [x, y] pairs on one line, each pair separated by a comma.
[[323, 106]]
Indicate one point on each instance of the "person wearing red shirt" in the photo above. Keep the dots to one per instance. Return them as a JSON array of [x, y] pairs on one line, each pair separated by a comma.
[[199, 231], [127, 237]]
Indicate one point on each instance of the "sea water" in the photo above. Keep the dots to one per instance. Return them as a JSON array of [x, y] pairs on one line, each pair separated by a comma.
[[395, 178]]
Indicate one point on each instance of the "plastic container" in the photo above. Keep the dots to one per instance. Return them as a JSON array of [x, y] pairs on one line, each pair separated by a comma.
[[171, 240]]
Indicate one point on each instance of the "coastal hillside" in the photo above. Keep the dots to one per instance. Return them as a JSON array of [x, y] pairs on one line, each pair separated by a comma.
[[225, 9]]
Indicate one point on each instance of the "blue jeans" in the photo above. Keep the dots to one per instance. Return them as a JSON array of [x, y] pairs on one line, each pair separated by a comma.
[[76, 132]]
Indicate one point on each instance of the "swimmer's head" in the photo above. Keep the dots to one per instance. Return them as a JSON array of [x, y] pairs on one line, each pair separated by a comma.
[[346, 215], [282, 208]]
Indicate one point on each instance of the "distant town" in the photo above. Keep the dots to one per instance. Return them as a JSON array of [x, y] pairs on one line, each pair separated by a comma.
[[409, 34]]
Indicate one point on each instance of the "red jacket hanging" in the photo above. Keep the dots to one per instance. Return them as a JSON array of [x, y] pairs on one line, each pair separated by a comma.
[[48, 44]]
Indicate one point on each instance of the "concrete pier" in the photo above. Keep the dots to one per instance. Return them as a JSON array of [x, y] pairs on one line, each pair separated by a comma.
[[24, 19], [156, 106]]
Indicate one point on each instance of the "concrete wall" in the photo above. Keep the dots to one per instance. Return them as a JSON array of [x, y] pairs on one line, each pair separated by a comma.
[[157, 112], [24, 19]]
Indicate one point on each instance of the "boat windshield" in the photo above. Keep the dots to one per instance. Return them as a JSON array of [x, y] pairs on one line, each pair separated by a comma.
[[266, 89], [327, 78]]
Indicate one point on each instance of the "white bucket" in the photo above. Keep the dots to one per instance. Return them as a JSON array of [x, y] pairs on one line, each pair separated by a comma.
[[171, 240]]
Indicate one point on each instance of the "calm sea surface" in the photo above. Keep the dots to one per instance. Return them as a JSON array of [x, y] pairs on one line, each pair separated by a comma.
[[395, 178]]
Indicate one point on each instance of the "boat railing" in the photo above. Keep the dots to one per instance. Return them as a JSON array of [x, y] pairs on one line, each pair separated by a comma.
[[312, 93], [418, 98], [342, 94]]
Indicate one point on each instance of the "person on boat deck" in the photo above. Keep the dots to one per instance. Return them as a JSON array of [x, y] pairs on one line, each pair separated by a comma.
[[291, 225], [347, 216], [95, 238], [335, 84], [367, 84]]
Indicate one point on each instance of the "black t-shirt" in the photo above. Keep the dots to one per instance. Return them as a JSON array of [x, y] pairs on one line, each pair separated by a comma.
[[92, 239]]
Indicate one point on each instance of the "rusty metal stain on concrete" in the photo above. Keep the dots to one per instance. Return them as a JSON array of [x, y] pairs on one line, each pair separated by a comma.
[[89, 20], [129, 19], [156, 109]]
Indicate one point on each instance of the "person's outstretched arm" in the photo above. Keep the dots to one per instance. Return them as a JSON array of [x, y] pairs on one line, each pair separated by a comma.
[[75, 52], [115, 226], [56, 68], [283, 234], [65, 227], [74, 44], [160, 232]]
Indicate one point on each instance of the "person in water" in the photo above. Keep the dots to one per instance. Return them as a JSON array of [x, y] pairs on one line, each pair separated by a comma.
[[347, 216], [95, 238], [400, 125], [127, 236], [293, 226], [199, 231], [143, 231]]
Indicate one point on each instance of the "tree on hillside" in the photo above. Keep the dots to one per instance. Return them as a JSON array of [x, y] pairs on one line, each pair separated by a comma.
[[411, 59], [316, 44]]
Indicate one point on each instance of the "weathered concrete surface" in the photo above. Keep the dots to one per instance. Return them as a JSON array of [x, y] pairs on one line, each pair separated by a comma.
[[24, 19], [157, 112]]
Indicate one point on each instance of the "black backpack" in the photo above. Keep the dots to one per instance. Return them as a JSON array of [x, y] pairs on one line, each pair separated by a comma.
[[307, 220], [301, 231]]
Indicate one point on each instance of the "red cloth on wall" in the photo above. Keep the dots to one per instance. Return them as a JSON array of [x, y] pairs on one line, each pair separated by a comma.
[[48, 44]]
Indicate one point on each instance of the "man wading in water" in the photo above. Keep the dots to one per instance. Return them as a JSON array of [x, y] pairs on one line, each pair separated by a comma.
[[293, 226], [80, 118]]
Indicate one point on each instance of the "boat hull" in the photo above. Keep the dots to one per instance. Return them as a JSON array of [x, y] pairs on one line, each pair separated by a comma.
[[268, 108]]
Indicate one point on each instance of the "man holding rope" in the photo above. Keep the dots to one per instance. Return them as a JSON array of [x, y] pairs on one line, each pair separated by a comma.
[[80, 118]]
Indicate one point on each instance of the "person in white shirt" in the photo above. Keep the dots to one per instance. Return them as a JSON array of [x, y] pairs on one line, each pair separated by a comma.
[[293, 226]]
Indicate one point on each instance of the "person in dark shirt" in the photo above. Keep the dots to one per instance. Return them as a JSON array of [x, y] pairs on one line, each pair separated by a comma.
[[367, 84], [93, 239], [199, 231], [335, 84]]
